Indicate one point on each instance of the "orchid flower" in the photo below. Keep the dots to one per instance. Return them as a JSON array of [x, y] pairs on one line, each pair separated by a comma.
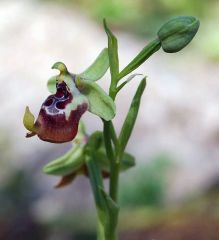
[[72, 96]]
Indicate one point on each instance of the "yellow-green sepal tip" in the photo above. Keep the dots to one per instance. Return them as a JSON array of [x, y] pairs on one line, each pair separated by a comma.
[[28, 120]]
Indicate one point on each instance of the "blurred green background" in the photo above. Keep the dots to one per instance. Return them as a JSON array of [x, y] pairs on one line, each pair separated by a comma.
[[172, 193], [143, 17]]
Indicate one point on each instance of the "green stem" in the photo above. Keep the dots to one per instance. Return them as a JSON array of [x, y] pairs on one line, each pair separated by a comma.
[[100, 229], [108, 142], [109, 137], [113, 92], [145, 53], [107, 131], [96, 182], [114, 180], [114, 136]]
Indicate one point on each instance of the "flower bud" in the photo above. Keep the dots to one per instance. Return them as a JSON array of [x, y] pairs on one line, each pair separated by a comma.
[[177, 33]]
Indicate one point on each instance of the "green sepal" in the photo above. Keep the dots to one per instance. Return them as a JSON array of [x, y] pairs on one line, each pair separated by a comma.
[[68, 163], [129, 122], [28, 120], [98, 68], [93, 73], [100, 103]]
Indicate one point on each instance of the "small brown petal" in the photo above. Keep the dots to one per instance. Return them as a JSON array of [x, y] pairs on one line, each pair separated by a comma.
[[66, 180]]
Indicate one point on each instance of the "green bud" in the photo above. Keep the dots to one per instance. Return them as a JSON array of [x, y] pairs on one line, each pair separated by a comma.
[[177, 33]]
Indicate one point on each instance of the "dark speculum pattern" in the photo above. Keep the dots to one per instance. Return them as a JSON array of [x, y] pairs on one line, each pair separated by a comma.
[[54, 103]]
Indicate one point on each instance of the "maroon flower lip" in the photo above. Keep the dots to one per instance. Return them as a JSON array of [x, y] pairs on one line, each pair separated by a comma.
[[52, 124]]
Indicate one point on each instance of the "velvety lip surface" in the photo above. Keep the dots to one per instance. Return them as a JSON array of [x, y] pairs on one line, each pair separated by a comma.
[[52, 124]]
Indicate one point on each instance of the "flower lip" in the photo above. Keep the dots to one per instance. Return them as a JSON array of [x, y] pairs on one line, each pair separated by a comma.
[[53, 124]]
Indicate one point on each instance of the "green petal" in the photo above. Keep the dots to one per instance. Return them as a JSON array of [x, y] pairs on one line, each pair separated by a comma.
[[28, 120], [100, 103], [51, 84], [98, 68], [66, 164], [64, 75]]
